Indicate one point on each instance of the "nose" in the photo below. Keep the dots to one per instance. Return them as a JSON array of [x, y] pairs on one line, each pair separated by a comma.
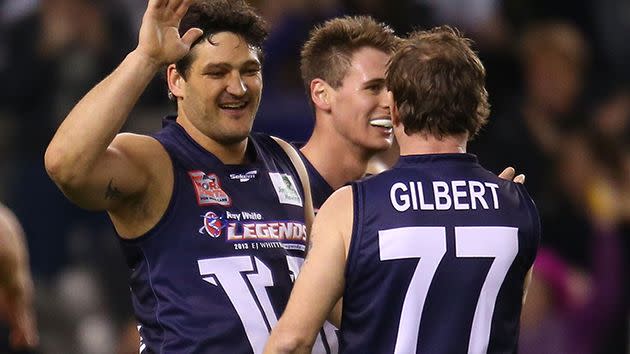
[[385, 100], [236, 86]]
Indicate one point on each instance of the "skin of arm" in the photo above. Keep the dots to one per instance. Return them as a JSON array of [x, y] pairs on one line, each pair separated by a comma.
[[98, 169], [316, 292], [16, 285]]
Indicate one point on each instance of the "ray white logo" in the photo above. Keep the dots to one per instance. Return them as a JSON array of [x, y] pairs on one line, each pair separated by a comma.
[[244, 177]]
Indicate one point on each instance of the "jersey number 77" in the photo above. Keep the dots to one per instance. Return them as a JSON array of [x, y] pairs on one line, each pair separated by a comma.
[[428, 244]]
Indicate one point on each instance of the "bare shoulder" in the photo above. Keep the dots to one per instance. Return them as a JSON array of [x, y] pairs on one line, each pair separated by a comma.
[[143, 151], [335, 217], [139, 145], [340, 197], [142, 211]]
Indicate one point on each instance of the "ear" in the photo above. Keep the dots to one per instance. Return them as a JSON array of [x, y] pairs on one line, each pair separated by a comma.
[[393, 109], [175, 81], [320, 94]]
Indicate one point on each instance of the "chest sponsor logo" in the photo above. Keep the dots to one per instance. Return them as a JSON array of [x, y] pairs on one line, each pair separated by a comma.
[[285, 188], [244, 177], [208, 189], [267, 231], [213, 225]]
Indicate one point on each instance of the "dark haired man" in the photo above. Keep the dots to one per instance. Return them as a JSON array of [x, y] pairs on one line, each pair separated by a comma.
[[211, 217]]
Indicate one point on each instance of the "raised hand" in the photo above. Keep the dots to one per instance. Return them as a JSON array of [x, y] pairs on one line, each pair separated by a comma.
[[159, 38]]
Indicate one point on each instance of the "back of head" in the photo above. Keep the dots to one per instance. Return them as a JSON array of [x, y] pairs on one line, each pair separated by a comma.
[[214, 16], [328, 52], [438, 84]]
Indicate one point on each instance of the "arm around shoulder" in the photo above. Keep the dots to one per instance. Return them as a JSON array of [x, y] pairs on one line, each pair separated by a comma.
[[321, 281]]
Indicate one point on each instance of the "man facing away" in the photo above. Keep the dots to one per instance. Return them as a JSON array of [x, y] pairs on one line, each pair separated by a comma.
[[431, 256], [210, 216]]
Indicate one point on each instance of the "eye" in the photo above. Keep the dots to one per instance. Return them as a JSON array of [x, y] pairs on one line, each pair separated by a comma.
[[375, 88], [215, 74], [251, 71]]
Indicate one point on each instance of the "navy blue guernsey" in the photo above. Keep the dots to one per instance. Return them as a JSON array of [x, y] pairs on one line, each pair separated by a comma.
[[439, 252], [320, 189], [215, 273]]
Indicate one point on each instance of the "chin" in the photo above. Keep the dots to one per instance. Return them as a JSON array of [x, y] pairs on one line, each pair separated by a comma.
[[230, 139], [382, 146]]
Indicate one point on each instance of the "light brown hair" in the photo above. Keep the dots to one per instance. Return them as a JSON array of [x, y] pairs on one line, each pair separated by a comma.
[[328, 52], [438, 84]]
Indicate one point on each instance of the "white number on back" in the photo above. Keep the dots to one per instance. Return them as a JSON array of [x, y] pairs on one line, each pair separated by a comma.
[[428, 244]]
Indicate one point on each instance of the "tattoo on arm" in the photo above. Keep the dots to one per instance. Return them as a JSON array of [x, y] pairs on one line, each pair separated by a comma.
[[112, 192], [309, 247]]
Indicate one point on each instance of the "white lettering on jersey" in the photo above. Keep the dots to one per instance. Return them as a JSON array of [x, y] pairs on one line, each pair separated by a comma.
[[457, 195]]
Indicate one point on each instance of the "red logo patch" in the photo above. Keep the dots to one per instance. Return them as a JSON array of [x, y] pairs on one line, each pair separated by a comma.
[[208, 189]]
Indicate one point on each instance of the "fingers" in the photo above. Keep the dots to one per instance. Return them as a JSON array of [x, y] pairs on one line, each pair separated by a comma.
[[173, 5], [180, 11], [508, 173], [191, 36], [179, 7], [157, 3]]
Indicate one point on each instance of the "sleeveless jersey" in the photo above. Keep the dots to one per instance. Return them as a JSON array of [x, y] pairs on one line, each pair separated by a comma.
[[215, 273], [439, 252], [320, 189]]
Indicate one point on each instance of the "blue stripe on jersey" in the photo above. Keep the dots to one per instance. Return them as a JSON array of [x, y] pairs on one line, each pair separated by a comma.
[[464, 237]]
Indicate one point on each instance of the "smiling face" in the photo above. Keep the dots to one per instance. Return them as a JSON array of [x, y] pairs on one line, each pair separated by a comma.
[[221, 92], [360, 107]]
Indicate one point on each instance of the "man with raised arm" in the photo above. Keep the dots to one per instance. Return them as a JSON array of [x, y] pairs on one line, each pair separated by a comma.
[[211, 217]]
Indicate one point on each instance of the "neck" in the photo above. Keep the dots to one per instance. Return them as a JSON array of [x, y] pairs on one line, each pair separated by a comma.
[[337, 160], [227, 153], [423, 143]]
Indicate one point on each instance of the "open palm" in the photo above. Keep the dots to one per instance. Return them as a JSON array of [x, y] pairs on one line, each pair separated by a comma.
[[159, 38]]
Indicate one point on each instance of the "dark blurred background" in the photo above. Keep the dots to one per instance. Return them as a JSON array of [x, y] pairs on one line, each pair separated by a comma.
[[559, 84]]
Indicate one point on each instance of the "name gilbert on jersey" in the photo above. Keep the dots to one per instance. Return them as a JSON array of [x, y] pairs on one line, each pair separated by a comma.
[[440, 195]]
